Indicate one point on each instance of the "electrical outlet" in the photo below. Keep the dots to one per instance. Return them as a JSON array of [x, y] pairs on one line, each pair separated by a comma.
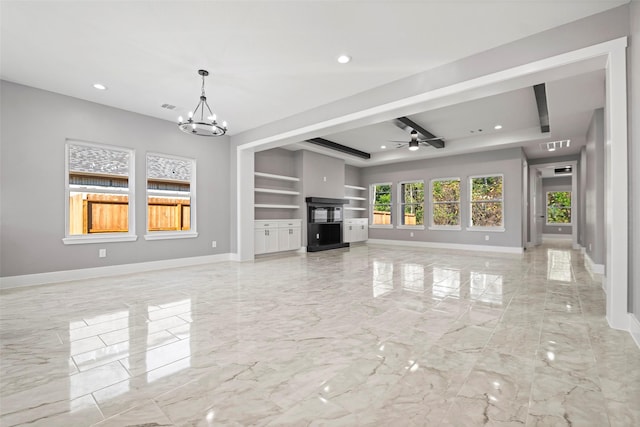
[[324, 178], [214, 244], [589, 247], [559, 228], [486, 237], [102, 253], [411, 234]]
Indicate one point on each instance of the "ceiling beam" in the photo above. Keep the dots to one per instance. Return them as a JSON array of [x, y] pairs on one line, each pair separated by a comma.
[[543, 109], [339, 147], [431, 138]]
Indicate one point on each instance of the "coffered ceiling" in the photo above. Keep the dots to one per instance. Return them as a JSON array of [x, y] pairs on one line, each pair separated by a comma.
[[273, 59]]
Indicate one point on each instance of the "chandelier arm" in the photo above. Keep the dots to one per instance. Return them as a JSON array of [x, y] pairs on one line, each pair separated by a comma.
[[195, 110], [208, 108]]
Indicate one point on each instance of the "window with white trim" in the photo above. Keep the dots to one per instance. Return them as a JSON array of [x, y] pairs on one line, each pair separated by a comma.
[[486, 200], [445, 203], [558, 207], [411, 203], [380, 211], [170, 195], [99, 190]]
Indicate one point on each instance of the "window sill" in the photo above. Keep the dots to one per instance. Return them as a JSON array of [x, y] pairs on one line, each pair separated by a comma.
[[487, 229], [410, 227], [381, 226], [443, 228], [83, 240], [168, 235]]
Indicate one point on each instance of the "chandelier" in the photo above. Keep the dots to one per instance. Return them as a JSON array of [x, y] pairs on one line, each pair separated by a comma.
[[196, 123]]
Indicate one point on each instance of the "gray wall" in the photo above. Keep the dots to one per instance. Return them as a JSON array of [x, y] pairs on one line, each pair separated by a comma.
[[634, 159], [561, 183], [32, 191], [322, 176], [507, 162], [594, 231]]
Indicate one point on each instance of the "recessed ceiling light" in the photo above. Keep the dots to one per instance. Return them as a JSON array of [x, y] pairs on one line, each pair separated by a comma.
[[383, 146], [100, 86], [343, 59], [497, 127]]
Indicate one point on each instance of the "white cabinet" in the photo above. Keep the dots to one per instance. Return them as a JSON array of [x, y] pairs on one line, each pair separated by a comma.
[[289, 239], [265, 237], [277, 235], [356, 230]]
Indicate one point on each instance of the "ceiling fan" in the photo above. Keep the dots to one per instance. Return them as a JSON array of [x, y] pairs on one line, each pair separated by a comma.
[[415, 142]]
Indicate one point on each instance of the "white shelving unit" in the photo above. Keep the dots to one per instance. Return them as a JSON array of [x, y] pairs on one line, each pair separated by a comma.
[[274, 191], [275, 206], [283, 197], [352, 193], [277, 177]]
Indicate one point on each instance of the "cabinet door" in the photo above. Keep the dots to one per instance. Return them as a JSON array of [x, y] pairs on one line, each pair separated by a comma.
[[362, 232], [349, 233], [289, 239], [271, 240], [260, 241], [295, 238]]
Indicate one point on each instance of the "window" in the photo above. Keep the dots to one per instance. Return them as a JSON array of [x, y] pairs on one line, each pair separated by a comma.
[[486, 201], [445, 203], [381, 205], [559, 207], [170, 197], [99, 190], [412, 203]]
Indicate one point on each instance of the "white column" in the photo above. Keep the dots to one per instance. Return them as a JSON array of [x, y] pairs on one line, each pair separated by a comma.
[[616, 198], [245, 200]]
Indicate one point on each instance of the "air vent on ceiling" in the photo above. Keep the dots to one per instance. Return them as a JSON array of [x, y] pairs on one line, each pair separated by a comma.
[[555, 145], [565, 170], [168, 106]]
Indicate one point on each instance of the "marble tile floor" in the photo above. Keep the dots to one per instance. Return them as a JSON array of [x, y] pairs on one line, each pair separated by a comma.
[[369, 336]]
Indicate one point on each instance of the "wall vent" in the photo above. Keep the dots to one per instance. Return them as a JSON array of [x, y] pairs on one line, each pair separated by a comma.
[[555, 145]]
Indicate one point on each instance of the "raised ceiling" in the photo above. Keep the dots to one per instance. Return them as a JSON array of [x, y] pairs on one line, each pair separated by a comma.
[[268, 60]]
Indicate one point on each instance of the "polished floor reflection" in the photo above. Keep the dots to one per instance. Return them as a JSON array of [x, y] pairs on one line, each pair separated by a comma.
[[371, 335]]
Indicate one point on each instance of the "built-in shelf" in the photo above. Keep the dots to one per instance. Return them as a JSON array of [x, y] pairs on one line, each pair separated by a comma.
[[354, 198], [273, 176], [347, 208], [273, 191], [354, 187], [272, 206]]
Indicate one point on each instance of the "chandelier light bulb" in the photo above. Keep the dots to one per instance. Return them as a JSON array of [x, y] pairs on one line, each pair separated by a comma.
[[180, 119], [414, 148], [193, 125], [190, 114], [224, 125]]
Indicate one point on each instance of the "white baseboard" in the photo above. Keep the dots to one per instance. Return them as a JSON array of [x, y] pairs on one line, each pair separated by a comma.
[[634, 328], [556, 237], [112, 270], [591, 266], [458, 246]]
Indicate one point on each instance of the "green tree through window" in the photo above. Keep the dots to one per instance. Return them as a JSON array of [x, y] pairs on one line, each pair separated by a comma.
[[486, 201], [412, 203], [381, 204], [446, 202], [559, 207]]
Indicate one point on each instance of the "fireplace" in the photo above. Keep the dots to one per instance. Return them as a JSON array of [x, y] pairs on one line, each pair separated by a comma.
[[324, 223]]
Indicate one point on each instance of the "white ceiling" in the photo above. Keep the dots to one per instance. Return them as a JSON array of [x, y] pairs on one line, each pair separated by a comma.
[[269, 60]]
